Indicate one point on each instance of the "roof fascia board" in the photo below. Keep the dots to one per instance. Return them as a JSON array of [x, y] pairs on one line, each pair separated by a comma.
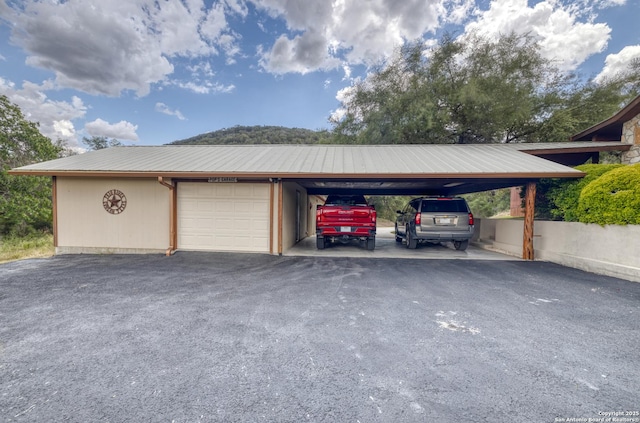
[[620, 147], [622, 116], [155, 175]]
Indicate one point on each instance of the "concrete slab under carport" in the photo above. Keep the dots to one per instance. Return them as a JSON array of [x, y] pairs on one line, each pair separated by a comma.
[[387, 247]]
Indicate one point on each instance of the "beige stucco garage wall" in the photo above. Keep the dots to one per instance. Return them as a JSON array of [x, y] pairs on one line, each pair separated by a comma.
[[611, 250], [84, 226], [289, 212]]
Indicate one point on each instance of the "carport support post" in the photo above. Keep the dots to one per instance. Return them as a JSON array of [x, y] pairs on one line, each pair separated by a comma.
[[529, 212], [173, 221]]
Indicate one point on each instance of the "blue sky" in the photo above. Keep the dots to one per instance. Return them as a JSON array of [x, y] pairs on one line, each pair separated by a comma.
[[150, 72]]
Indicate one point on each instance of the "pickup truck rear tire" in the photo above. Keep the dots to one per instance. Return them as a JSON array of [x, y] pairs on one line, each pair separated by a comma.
[[412, 243], [371, 243], [320, 242]]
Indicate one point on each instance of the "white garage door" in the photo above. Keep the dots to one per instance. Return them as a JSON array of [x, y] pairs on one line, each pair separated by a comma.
[[223, 216]]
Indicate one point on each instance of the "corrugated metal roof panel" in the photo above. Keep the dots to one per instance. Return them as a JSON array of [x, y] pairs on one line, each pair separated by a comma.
[[327, 160]]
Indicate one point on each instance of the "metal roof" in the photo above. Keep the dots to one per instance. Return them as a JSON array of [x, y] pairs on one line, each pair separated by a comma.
[[353, 161]]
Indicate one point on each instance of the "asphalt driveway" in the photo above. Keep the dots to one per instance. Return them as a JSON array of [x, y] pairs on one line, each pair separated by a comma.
[[251, 338]]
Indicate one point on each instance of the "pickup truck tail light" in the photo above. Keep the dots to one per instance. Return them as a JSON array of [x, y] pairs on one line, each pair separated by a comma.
[[470, 218], [418, 219], [374, 216]]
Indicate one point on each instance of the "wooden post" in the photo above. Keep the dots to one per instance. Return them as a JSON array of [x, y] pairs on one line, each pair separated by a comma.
[[529, 212], [280, 213], [271, 203], [54, 201]]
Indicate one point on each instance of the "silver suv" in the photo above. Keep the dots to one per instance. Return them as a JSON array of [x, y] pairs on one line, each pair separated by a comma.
[[435, 219]]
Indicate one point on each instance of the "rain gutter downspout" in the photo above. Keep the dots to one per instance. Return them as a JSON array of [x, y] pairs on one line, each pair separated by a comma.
[[172, 216]]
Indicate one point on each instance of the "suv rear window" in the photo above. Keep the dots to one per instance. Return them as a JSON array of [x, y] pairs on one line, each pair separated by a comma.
[[444, 205]]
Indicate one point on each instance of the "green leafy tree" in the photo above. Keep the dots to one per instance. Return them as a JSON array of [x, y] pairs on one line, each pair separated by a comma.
[[386, 206], [489, 203], [590, 103], [476, 90], [25, 202], [259, 135], [470, 90], [98, 143]]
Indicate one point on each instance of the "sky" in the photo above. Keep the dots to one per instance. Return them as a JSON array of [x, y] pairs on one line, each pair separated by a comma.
[[148, 72]]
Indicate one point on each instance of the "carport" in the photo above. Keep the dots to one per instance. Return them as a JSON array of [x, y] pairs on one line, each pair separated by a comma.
[[255, 198]]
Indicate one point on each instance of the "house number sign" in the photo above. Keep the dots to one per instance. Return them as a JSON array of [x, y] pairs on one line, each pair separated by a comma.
[[114, 201]]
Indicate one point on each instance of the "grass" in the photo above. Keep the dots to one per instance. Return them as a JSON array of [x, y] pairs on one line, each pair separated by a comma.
[[17, 248]]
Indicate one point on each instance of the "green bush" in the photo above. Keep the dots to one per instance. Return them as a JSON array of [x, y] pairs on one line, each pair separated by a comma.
[[563, 195], [613, 198]]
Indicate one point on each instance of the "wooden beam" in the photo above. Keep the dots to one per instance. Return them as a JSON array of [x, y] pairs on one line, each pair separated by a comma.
[[54, 200], [271, 203], [529, 212], [173, 215], [173, 225], [280, 216]]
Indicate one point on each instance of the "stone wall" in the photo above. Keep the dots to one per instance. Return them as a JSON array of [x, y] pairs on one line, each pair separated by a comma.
[[631, 135]]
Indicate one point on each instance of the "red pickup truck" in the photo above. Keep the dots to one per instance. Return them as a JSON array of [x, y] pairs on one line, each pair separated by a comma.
[[343, 218]]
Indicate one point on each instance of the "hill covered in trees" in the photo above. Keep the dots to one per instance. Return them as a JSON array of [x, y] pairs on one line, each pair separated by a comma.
[[258, 135]]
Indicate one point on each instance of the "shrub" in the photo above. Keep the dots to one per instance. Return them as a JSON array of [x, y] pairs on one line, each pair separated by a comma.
[[564, 195], [613, 198]]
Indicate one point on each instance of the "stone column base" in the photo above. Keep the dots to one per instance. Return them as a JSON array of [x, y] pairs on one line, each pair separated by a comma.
[[632, 156]]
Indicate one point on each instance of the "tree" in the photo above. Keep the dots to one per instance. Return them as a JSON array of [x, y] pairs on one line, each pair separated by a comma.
[[98, 143], [475, 90], [463, 91], [25, 202], [589, 103], [489, 203]]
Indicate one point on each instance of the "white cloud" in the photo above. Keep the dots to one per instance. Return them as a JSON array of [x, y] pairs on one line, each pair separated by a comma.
[[344, 97], [203, 68], [107, 47], [555, 26], [356, 31], [65, 128], [617, 64], [207, 87], [163, 108], [55, 117], [306, 53], [459, 11], [122, 130]]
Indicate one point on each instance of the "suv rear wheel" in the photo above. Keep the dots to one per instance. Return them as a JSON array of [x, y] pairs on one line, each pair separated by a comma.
[[320, 242], [461, 245], [412, 243]]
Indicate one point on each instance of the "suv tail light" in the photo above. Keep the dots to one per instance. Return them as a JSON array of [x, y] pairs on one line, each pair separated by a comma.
[[319, 215], [470, 218], [374, 216], [418, 219]]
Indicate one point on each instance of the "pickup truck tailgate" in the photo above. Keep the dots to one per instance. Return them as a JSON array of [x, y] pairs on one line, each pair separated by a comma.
[[345, 215]]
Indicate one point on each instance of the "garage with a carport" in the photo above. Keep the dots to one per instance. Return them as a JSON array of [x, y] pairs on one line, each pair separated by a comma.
[[256, 198]]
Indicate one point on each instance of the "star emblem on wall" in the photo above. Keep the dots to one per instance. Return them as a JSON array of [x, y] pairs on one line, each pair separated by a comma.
[[114, 201]]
